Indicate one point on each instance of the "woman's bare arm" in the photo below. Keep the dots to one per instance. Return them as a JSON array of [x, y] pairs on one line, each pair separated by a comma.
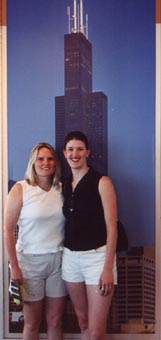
[[108, 197], [12, 212]]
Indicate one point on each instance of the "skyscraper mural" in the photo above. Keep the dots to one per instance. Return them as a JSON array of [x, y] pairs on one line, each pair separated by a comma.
[[94, 73], [80, 108]]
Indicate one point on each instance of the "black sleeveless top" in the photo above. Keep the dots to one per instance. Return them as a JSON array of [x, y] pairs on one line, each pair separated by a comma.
[[85, 227]]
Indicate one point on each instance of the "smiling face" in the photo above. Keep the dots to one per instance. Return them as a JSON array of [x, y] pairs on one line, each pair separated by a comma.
[[76, 154], [45, 163]]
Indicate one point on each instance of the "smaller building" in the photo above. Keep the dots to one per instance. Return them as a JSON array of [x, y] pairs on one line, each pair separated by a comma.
[[136, 290]]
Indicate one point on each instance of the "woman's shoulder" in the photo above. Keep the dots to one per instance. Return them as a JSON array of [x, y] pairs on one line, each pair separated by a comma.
[[21, 186], [16, 187], [15, 193], [106, 180], [106, 185]]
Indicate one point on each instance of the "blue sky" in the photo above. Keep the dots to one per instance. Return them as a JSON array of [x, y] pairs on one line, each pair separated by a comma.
[[122, 33]]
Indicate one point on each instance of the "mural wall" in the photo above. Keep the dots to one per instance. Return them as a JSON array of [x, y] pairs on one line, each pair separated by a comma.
[[122, 38]]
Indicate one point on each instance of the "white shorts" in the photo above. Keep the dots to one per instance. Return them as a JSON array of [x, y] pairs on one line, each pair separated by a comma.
[[85, 266], [42, 276]]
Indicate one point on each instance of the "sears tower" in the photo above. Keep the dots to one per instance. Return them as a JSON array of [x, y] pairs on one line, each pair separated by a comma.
[[80, 108]]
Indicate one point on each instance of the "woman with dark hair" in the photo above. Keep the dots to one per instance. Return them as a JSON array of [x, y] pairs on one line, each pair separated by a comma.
[[35, 204], [89, 256]]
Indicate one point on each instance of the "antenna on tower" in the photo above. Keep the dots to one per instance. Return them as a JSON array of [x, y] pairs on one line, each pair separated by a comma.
[[68, 13], [78, 16], [81, 17], [75, 17], [87, 26]]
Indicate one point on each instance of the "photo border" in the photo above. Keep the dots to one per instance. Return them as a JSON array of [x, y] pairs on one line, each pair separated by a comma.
[[4, 177]]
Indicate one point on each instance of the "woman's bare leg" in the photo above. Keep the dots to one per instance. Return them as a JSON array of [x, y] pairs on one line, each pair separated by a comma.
[[32, 318], [98, 310], [77, 293], [54, 309]]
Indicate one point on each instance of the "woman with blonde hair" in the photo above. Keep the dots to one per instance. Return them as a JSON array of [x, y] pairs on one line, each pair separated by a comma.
[[35, 204]]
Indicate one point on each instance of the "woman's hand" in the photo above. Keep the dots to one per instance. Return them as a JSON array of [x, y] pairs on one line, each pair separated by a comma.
[[16, 275], [106, 282]]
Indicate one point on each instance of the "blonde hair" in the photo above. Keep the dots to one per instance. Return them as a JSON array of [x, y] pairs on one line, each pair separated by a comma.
[[31, 176]]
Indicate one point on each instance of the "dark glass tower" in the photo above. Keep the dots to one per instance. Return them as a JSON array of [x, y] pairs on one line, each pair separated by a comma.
[[78, 64], [80, 108]]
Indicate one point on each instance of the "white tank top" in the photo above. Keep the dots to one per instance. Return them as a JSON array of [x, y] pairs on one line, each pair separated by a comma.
[[41, 221]]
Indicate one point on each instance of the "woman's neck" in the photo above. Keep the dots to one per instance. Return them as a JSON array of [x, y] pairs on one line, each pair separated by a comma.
[[77, 175], [45, 183]]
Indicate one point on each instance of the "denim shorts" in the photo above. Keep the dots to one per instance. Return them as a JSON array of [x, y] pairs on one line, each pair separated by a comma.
[[42, 276], [85, 266]]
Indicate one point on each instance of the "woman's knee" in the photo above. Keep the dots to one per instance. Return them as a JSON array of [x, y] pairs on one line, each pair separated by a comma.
[[97, 330], [31, 326], [32, 316], [54, 320], [96, 334], [83, 322]]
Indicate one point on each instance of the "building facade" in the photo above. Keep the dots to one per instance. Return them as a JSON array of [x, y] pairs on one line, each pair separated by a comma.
[[80, 108], [136, 291]]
